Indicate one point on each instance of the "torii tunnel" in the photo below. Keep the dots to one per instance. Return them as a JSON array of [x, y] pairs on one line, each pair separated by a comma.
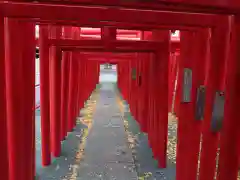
[[195, 76]]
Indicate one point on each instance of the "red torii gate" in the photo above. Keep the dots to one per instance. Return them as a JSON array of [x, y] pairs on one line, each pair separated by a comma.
[[222, 26]]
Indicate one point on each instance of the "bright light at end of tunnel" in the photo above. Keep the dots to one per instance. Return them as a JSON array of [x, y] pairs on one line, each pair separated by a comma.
[[175, 36], [176, 33], [37, 31]]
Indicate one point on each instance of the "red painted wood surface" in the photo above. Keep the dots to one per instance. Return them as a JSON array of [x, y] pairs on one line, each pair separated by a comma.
[[15, 101], [4, 164], [229, 152], [213, 84], [45, 94], [126, 18], [55, 94], [28, 63], [215, 51]]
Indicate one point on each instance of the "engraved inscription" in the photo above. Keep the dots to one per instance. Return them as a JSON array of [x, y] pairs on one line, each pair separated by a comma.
[[187, 85], [200, 103], [134, 73], [218, 112], [139, 80]]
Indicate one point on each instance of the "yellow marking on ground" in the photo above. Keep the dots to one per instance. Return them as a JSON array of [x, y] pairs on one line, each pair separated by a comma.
[[87, 119]]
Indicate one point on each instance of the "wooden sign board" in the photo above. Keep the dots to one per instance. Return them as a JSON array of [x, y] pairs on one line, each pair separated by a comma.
[[200, 103], [218, 112], [187, 85], [134, 73]]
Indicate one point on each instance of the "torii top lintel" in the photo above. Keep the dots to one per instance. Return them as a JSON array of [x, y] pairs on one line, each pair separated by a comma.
[[210, 6], [118, 17]]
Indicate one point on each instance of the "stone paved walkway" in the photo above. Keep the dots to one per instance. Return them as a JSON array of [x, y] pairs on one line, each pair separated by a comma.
[[105, 145], [107, 155]]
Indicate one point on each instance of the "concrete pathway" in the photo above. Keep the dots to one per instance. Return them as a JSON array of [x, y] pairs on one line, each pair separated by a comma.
[[106, 144], [107, 155]]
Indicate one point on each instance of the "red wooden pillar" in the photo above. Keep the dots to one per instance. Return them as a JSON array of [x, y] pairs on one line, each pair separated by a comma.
[[126, 76], [91, 74], [200, 54], [44, 92], [97, 66], [156, 59], [140, 94], [229, 152], [135, 100], [72, 91], [150, 99], [64, 85], [127, 81], [177, 100], [186, 111], [64, 93], [76, 81], [84, 69], [213, 84], [145, 92], [4, 164], [133, 87], [94, 70], [130, 88], [119, 70], [193, 133], [98, 72], [89, 77], [120, 67], [172, 80], [170, 68], [86, 82], [161, 97], [69, 121], [28, 63], [81, 82], [95, 74], [76, 88], [186, 52], [55, 102], [189, 122], [78, 85], [119, 78], [15, 101], [154, 102]]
